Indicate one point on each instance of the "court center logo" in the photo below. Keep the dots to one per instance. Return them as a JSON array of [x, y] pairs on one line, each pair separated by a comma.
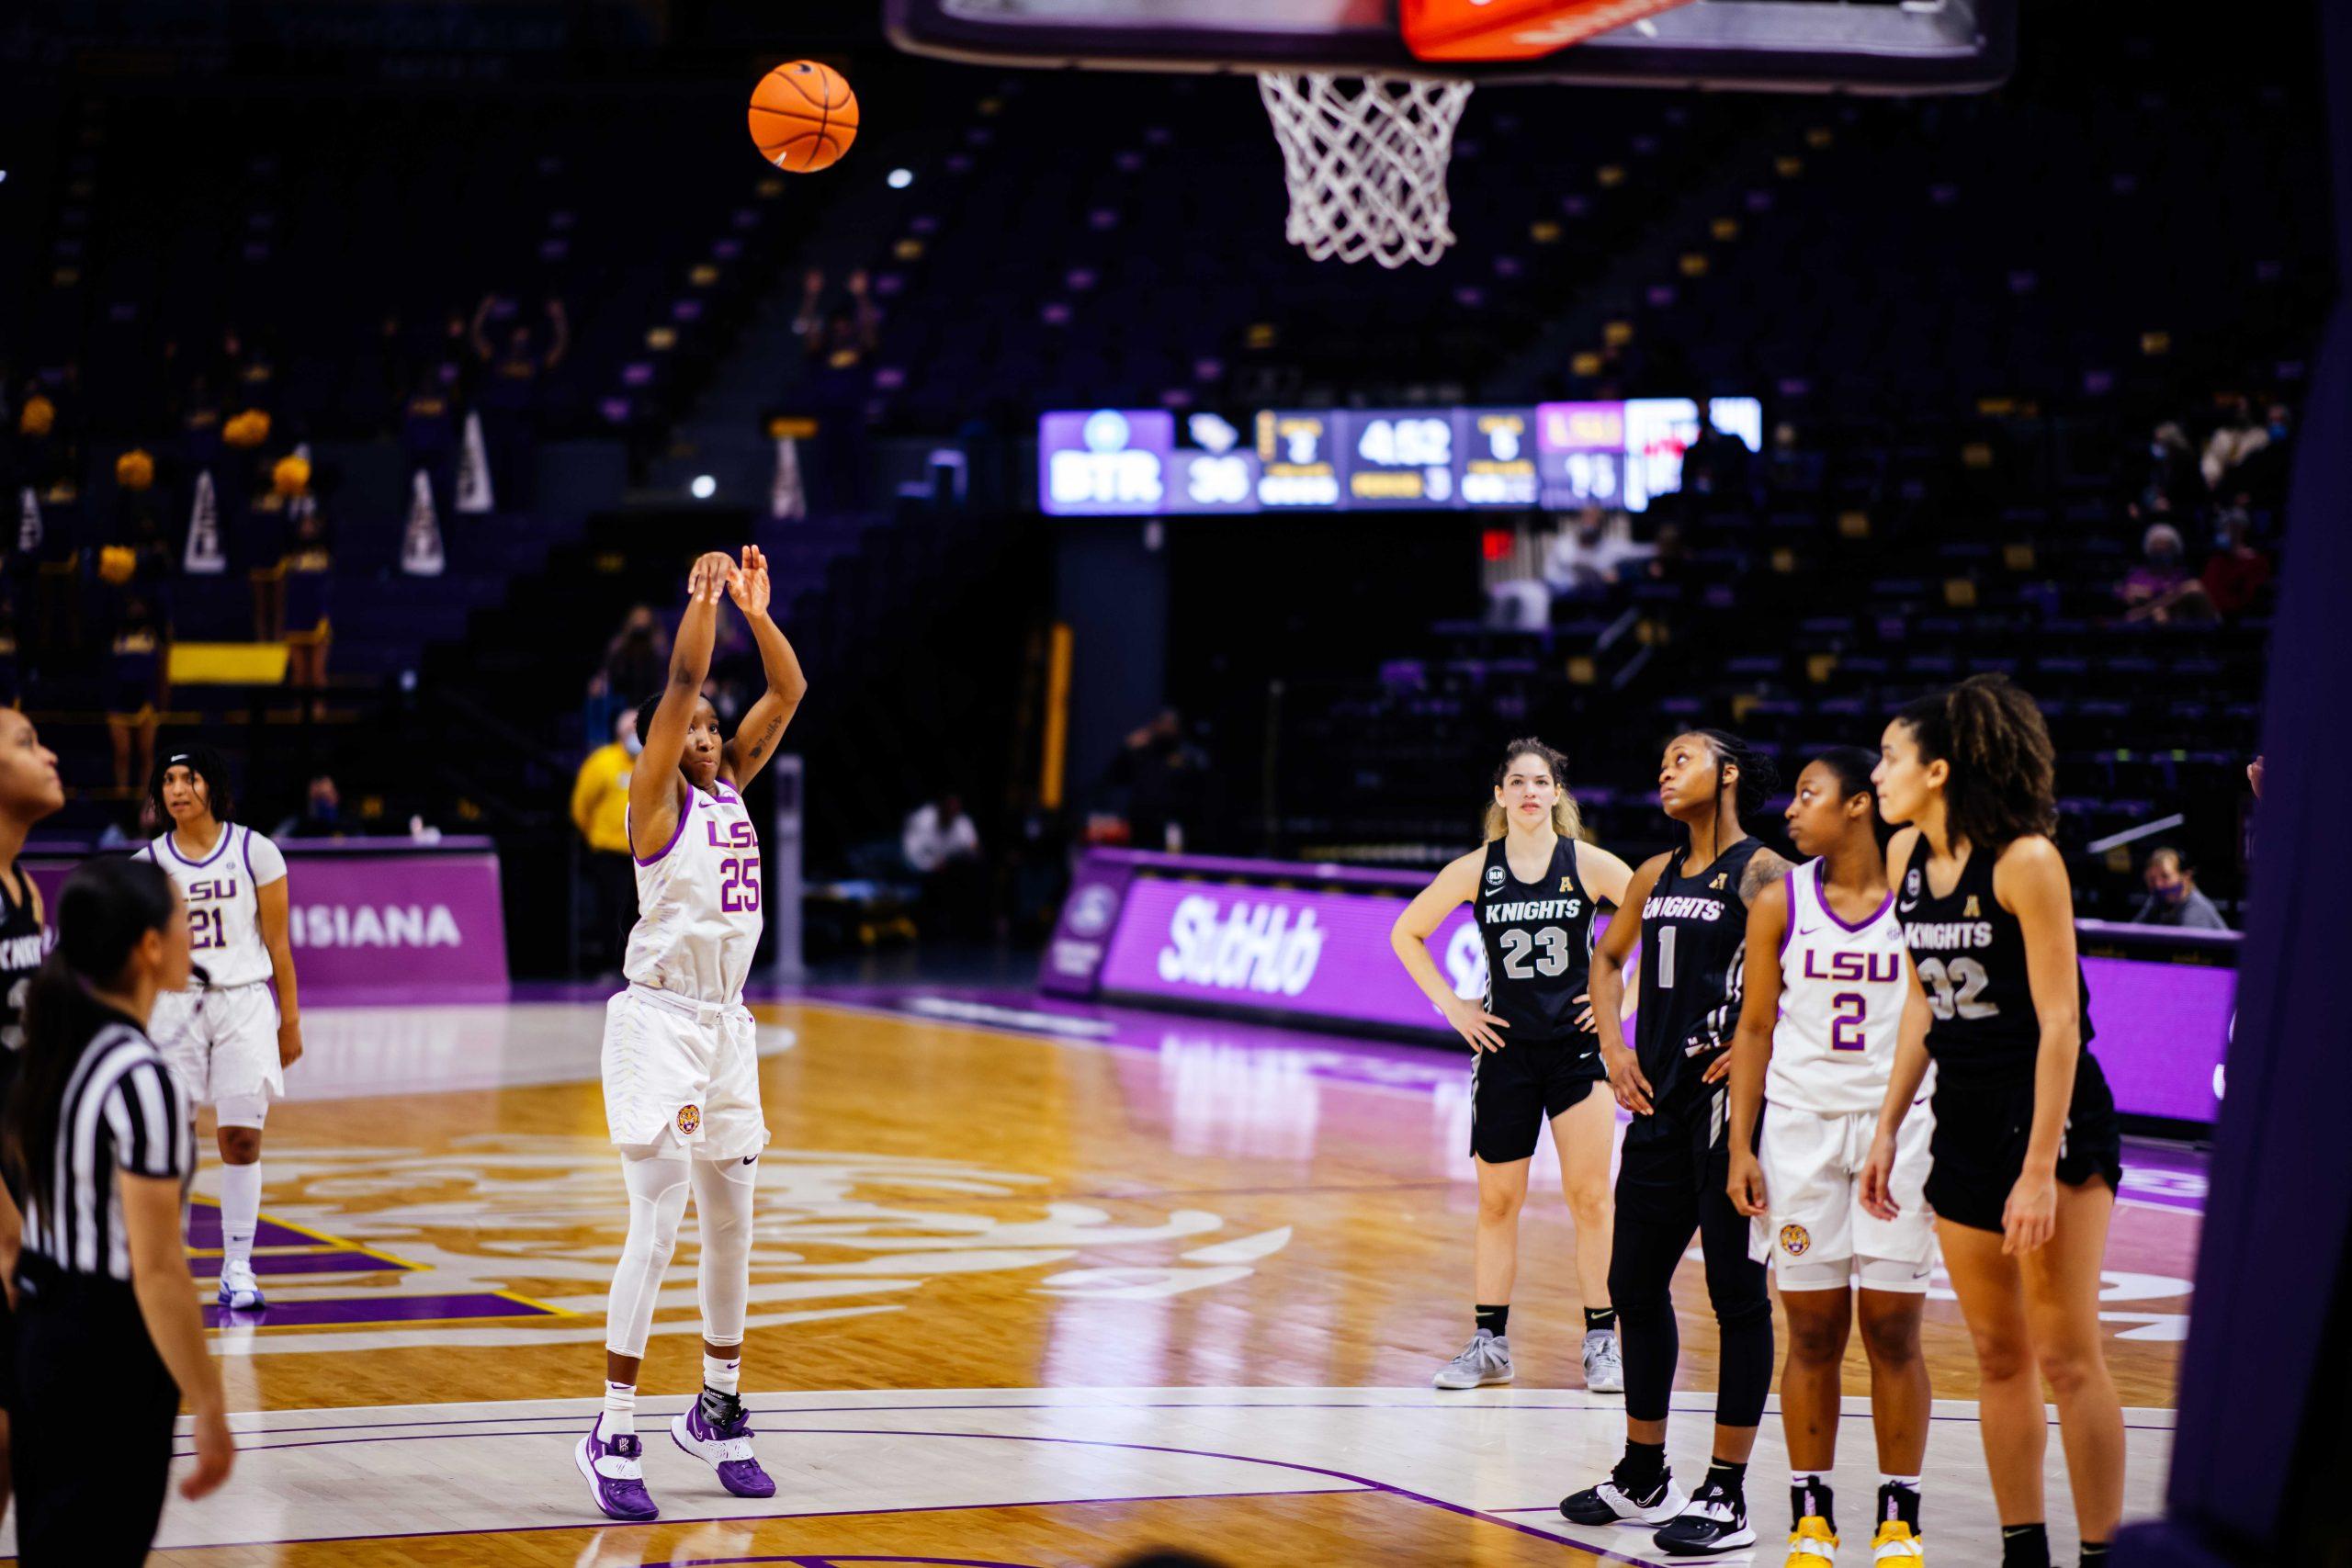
[[1795, 1240]]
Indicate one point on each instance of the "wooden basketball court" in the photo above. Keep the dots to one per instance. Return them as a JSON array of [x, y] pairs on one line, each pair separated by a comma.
[[1029, 1287]]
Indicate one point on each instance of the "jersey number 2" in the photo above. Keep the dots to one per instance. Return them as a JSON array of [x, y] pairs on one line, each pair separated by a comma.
[[738, 886]]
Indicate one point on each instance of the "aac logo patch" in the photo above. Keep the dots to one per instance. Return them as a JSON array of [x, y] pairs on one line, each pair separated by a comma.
[[1795, 1240], [689, 1119]]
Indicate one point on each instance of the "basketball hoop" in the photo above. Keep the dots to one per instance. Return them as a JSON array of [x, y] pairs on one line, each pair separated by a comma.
[[1364, 158]]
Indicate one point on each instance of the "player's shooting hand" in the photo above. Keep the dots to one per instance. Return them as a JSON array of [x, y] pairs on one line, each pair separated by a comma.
[[1475, 1024], [1625, 1079], [750, 587], [1746, 1184], [711, 577]]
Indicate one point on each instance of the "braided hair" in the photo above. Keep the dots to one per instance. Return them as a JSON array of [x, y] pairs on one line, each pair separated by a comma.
[[2003, 784], [1758, 776]]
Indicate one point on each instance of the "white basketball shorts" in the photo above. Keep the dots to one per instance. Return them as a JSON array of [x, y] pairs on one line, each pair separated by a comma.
[[222, 1042], [1817, 1233], [685, 1073]]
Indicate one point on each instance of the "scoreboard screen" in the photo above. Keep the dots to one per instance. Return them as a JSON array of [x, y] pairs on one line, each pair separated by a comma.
[[1109, 462]]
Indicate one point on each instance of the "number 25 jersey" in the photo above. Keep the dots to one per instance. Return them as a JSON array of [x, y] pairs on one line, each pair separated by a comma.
[[1970, 953], [698, 902]]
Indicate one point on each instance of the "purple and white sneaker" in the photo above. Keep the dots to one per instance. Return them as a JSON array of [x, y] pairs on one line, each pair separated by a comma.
[[616, 1475], [716, 1430]]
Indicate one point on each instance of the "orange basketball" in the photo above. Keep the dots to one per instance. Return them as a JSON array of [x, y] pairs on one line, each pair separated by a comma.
[[803, 117]]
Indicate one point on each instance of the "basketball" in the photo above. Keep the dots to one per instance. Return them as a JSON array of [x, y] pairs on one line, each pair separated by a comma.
[[803, 117]]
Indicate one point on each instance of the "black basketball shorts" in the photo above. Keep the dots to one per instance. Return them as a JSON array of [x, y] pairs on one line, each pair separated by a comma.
[[1980, 1141], [1515, 1090]]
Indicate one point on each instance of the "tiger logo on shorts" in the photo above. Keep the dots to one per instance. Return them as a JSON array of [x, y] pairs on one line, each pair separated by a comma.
[[1795, 1240], [689, 1119]]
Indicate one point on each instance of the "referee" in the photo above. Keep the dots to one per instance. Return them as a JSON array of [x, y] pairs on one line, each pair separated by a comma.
[[97, 1137]]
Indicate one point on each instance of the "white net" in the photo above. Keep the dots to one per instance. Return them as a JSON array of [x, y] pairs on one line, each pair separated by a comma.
[[1365, 160]]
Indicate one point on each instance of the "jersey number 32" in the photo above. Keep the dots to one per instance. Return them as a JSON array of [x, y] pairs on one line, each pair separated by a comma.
[[1952, 991]]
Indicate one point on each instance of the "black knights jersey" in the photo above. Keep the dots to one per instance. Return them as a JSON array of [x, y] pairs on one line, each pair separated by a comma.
[[1694, 936], [1970, 953], [22, 946], [1539, 945]]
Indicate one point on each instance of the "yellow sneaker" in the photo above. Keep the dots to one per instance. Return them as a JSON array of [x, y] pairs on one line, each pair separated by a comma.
[[1895, 1543], [1811, 1544]]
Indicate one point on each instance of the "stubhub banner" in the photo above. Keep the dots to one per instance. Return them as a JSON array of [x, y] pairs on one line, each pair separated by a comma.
[[1319, 950], [1310, 944]]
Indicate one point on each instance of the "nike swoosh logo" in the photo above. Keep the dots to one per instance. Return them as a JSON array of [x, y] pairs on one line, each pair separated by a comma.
[[749, 1158], [1906, 909]]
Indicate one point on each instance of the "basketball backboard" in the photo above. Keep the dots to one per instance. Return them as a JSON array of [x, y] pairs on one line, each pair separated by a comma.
[[1916, 45]]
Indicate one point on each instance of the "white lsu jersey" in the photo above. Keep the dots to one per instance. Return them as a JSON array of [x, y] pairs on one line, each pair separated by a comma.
[[698, 902], [1842, 990], [223, 895]]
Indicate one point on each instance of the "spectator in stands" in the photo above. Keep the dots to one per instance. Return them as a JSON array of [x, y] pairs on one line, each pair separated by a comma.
[[1165, 779], [1717, 464], [2238, 437], [2160, 588], [599, 810], [2174, 898], [1586, 560], [511, 378], [840, 334], [320, 817], [135, 688], [637, 659], [943, 849], [310, 628], [2173, 483], [2236, 573]]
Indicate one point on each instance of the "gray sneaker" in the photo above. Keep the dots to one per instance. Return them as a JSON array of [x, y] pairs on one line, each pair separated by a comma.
[[1604, 1366], [1486, 1360]]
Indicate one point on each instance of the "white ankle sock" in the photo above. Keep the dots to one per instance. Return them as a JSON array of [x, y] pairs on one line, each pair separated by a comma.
[[725, 1375], [619, 1419], [239, 1211]]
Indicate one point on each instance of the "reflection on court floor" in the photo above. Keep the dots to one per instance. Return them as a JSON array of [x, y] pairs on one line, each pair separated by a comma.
[[1030, 1284]]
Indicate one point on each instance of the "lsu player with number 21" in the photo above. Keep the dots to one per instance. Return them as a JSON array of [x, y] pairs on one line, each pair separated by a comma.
[[1826, 987], [223, 1036], [680, 1062]]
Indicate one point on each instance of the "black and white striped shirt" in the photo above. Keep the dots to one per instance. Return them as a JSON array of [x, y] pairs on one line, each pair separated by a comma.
[[122, 1112]]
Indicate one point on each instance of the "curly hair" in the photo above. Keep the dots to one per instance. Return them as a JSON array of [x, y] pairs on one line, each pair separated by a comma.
[[1566, 820], [2004, 770], [1757, 777]]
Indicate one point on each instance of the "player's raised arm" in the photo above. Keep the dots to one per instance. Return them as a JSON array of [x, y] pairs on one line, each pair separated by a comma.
[[654, 783], [757, 737]]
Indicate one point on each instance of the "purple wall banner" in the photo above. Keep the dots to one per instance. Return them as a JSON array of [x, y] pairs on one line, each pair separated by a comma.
[[1310, 944], [371, 928]]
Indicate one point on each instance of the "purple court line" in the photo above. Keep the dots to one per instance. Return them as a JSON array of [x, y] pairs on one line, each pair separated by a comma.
[[1446, 1409], [1363, 1481]]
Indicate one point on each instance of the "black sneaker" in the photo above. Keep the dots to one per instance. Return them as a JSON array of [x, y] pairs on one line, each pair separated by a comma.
[[1612, 1503], [1715, 1520]]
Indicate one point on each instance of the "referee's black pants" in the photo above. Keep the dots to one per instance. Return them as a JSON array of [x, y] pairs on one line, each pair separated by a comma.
[[1672, 1177], [91, 1424]]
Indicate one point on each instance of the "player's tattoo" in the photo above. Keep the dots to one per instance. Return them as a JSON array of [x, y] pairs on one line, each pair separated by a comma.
[[760, 745], [1764, 868]]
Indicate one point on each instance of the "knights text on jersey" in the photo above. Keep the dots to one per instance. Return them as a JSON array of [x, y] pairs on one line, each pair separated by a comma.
[[1695, 932], [1970, 953], [223, 895], [23, 944], [1842, 990], [698, 902], [1539, 945]]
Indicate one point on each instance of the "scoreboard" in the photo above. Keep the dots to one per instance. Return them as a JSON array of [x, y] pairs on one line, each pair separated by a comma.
[[1108, 462]]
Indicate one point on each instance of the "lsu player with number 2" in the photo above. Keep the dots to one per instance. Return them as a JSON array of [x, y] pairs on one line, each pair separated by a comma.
[[680, 1062], [224, 1037], [1826, 987]]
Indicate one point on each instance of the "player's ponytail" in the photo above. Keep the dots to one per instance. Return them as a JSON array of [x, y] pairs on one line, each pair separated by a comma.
[[1566, 820], [1852, 767], [103, 911], [2003, 784]]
